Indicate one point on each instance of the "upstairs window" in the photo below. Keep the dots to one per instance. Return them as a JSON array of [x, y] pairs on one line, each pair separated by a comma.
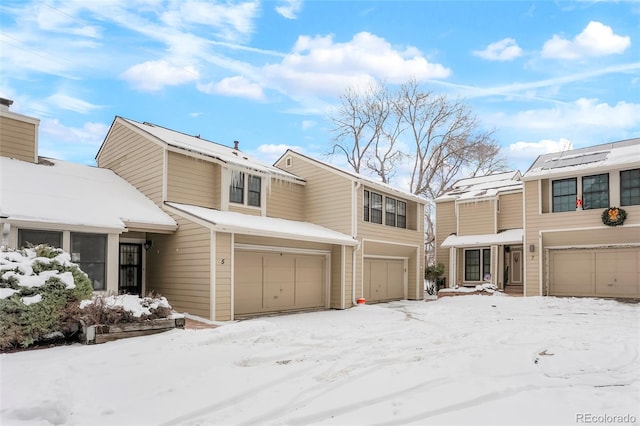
[[246, 187], [236, 192], [564, 195], [395, 211], [595, 191], [255, 184], [630, 187]]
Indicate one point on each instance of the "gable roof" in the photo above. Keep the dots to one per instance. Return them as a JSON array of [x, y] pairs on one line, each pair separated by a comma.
[[356, 177], [69, 194], [230, 157], [604, 157], [480, 187]]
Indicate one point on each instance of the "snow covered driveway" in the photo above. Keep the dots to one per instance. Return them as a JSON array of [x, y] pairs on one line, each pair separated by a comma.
[[459, 360]]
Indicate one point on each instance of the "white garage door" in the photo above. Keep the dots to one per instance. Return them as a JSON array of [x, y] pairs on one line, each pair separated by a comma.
[[611, 272], [383, 279], [273, 282]]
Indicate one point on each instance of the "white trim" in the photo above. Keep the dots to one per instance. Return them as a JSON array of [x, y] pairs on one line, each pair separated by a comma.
[[165, 174], [540, 270], [294, 250], [189, 217], [594, 246], [343, 288], [419, 277], [49, 226], [389, 242], [586, 229], [213, 275], [453, 267], [378, 256], [233, 276]]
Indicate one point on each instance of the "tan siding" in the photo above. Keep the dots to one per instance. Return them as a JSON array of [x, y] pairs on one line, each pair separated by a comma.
[[510, 216], [446, 225], [224, 280], [178, 267], [253, 211], [135, 159], [286, 200], [280, 242], [327, 196], [336, 294], [193, 181], [17, 139], [476, 218]]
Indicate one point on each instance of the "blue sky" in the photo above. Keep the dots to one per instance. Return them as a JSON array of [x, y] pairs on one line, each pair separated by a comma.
[[545, 75]]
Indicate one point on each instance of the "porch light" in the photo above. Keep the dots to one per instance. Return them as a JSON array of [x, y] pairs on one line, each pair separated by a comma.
[[148, 244]]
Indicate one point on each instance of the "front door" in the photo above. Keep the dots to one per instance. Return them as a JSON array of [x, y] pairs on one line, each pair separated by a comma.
[[130, 281], [516, 266]]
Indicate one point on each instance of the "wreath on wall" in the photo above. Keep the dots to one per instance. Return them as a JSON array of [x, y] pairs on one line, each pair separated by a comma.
[[613, 216]]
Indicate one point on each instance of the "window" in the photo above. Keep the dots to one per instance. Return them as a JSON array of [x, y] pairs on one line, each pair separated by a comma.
[[254, 191], [477, 264], [564, 195], [89, 251], [376, 208], [595, 191], [395, 211], [365, 205], [27, 237], [236, 193], [402, 214], [630, 187], [390, 212]]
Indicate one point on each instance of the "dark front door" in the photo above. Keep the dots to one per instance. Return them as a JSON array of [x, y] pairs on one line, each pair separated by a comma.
[[130, 281]]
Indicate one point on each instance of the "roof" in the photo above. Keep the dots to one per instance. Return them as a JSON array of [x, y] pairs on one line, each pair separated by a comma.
[[64, 193], [357, 177], [480, 187], [604, 157], [510, 236], [264, 226], [231, 157]]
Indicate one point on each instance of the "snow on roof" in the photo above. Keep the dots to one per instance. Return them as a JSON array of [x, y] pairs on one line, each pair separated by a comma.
[[605, 157], [483, 186], [223, 153], [362, 178], [265, 226], [510, 236], [65, 193]]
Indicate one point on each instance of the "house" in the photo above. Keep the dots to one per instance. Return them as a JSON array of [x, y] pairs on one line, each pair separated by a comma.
[[479, 231], [91, 213], [256, 239], [549, 230], [570, 251]]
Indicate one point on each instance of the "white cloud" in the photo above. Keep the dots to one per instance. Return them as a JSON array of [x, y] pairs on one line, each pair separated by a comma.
[[308, 124], [234, 86], [154, 75], [504, 50], [233, 21], [60, 100], [596, 39], [289, 8], [530, 150], [70, 143], [270, 153], [318, 65]]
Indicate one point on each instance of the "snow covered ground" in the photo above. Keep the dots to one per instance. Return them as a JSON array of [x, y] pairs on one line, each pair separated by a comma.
[[459, 360]]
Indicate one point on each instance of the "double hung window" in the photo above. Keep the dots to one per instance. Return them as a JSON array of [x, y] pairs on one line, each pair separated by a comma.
[[246, 187]]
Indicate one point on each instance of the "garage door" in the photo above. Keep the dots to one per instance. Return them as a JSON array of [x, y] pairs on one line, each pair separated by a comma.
[[383, 279], [612, 272], [273, 282]]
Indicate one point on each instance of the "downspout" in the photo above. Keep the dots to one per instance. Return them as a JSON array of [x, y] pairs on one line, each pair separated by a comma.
[[354, 230]]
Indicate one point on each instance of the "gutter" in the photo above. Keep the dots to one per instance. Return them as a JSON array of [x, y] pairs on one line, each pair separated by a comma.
[[354, 228]]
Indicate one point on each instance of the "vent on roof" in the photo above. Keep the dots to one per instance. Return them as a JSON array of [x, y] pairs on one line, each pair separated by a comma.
[[288, 162]]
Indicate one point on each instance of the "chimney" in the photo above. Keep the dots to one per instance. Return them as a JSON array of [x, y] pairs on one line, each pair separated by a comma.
[[235, 145], [5, 104]]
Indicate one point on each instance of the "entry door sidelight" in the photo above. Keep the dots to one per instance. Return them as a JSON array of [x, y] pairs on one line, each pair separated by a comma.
[[130, 281]]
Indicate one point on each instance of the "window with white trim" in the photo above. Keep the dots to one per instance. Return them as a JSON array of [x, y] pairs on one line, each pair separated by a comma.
[[376, 206], [246, 187], [477, 264], [630, 187], [34, 237], [89, 251], [564, 193], [595, 191]]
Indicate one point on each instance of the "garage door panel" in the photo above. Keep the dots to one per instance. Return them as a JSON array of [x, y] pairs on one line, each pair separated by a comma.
[[571, 272], [310, 279], [248, 295], [617, 273], [395, 277], [279, 281]]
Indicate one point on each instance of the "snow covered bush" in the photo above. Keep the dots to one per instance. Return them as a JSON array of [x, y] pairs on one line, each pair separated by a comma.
[[124, 308], [40, 291]]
